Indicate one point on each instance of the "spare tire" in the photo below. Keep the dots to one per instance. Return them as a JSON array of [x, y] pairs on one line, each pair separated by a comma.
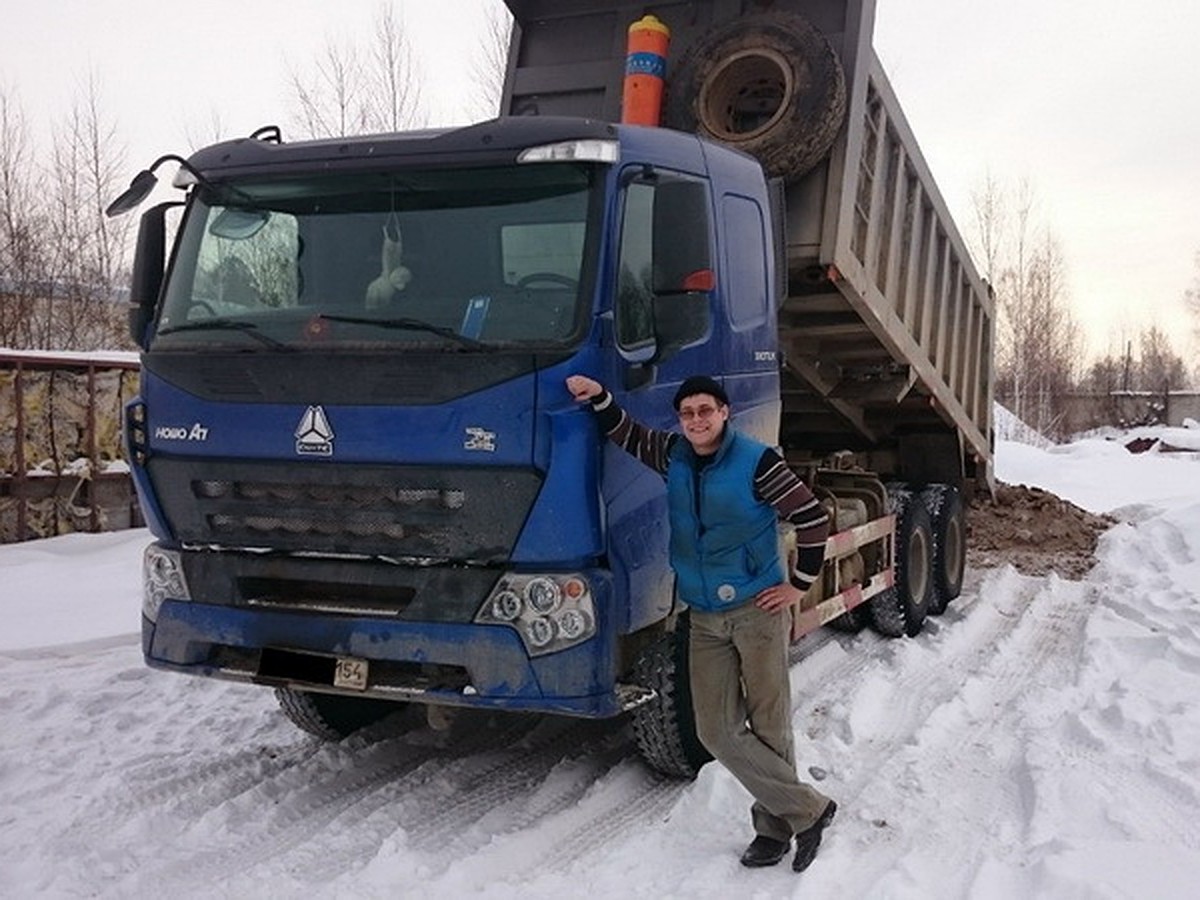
[[770, 85]]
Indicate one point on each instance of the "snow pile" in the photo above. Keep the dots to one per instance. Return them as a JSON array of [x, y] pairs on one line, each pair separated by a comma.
[[1010, 428], [1042, 738]]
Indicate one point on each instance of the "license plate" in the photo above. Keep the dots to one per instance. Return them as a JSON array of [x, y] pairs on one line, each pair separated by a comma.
[[350, 673]]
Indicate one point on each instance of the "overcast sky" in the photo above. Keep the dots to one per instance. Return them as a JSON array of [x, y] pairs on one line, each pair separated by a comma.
[[1096, 102]]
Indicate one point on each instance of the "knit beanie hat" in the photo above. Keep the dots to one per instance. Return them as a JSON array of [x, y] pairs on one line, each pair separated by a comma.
[[700, 384]]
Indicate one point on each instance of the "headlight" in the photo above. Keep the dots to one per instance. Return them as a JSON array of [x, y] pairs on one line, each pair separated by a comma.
[[506, 606], [549, 612], [162, 579], [543, 595]]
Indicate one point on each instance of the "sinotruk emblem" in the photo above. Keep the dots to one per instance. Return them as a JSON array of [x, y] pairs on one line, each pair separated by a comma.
[[314, 436]]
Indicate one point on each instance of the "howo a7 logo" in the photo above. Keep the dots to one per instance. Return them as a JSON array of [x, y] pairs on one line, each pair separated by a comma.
[[314, 435]]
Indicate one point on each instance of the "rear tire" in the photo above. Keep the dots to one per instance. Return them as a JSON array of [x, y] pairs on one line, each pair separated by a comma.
[[902, 610], [851, 621], [944, 504], [332, 717], [665, 727]]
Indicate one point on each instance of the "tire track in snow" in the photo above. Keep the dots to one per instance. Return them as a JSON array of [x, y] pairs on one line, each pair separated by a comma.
[[380, 798], [356, 776], [1033, 644], [898, 682], [308, 813]]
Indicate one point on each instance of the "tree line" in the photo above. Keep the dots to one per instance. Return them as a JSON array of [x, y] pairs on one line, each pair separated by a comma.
[[63, 270], [64, 266], [1040, 349]]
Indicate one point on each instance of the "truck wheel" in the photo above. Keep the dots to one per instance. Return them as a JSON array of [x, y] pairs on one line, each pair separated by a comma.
[[332, 716], [665, 727], [902, 609], [851, 621], [770, 85], [944, 504]]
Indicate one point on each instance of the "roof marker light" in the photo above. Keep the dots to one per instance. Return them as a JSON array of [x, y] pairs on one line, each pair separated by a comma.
[[590, 150]]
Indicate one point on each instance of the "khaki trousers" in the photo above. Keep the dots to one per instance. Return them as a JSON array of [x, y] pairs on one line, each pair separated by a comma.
[[742, 700]]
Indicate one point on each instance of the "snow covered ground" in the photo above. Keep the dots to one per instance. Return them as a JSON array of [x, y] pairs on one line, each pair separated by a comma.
[[1041, 739]]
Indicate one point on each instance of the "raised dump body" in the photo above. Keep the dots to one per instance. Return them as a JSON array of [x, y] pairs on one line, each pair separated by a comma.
[[886, 332]]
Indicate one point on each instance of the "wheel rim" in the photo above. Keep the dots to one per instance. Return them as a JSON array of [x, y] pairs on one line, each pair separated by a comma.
[[746, 95]]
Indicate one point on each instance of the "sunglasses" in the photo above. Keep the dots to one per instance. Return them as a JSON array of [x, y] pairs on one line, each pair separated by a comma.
[[700, 412]]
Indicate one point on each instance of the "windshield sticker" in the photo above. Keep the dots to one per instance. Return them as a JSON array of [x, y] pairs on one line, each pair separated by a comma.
[[314, 436], [480, 439]]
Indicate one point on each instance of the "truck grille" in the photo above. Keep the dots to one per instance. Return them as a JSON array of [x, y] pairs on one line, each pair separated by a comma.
[[411, 511]]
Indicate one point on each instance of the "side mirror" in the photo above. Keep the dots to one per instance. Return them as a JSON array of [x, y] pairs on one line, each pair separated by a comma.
[[139, 189], [149, 267]]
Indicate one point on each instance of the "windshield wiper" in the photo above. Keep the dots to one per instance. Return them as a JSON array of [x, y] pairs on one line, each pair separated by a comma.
[[406, 323], [230, 325]]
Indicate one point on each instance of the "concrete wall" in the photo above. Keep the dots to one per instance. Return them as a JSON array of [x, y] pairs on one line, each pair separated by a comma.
[[1087, 411]]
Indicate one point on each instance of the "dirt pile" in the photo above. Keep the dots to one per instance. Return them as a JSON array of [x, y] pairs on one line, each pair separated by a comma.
[[1034, 530]]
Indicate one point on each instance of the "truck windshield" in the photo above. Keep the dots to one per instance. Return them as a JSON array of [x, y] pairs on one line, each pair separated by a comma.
[[462, 259]]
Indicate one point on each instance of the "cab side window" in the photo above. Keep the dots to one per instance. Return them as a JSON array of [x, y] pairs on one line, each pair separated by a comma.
[[635, 278]]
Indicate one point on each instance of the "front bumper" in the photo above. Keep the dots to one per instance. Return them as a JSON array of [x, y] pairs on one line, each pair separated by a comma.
[[447, 663]]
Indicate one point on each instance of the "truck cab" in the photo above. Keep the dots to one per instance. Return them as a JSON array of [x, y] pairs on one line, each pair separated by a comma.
[[353, 440]]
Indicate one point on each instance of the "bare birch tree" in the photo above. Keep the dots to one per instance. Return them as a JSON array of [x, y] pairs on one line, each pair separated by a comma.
[[22, 228], [1191, 302], [489, 61], [1039, 343], [1160, 368], [393, 77], [328, 100], [86, 265], [354, 89]]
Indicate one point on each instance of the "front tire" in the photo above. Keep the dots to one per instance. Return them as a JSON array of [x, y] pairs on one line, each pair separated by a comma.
[[665, 727], [332, 717]]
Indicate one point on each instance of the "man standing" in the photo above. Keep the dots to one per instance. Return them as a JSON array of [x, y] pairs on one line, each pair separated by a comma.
[[725, 495]]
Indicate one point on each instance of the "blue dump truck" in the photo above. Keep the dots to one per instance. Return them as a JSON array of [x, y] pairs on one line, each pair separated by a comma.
[[367, 483]]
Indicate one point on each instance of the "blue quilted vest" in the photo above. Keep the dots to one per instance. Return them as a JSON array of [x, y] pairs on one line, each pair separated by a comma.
[[724, 542]]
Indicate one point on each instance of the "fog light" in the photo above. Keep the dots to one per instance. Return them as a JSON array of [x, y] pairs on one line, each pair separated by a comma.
[[541, 631], [572, 623], [162, 579]]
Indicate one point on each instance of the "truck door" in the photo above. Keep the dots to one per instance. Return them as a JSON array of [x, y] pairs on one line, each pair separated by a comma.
[[666, 291]]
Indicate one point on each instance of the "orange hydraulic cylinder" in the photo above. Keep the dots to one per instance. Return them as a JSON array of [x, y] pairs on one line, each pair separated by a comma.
[[645, 70]]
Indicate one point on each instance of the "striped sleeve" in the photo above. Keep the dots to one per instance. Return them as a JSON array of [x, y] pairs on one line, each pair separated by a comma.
[[648, 446], [776, 484]]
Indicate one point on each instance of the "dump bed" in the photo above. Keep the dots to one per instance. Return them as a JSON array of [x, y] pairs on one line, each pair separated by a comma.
[[887, 328]]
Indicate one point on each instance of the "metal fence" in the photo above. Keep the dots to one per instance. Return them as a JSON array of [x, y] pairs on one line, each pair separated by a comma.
[[62, 464]]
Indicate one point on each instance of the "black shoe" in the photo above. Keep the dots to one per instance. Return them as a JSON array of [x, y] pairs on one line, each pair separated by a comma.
[[808, 840], [765, 851]]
